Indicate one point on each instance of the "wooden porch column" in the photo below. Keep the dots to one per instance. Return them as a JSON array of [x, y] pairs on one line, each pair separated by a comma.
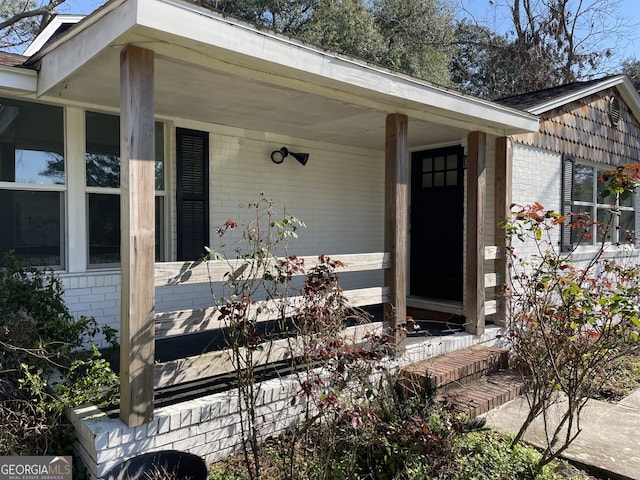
[[476, 199], [503, 180], [395, 231], [137, 205]]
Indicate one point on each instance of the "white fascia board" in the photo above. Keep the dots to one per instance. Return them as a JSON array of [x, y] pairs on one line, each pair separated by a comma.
[[15, 78], [195, 24], [44, 36], [590, 90], [69, 52], [630, 96], [190, 25]]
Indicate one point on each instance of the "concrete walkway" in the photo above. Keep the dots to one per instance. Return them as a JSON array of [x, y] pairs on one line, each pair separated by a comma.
[[609, 442]]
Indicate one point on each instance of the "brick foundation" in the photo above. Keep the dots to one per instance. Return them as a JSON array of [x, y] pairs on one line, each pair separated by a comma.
[[209, 426]]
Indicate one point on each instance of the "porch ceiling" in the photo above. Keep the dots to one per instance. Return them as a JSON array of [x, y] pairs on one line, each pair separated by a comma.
[[196, 93], [211, 69]]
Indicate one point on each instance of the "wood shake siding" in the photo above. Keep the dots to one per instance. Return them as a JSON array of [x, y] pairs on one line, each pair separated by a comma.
[[584, 128]]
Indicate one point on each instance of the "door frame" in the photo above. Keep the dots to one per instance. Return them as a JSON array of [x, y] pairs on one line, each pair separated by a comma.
[[456, 222]]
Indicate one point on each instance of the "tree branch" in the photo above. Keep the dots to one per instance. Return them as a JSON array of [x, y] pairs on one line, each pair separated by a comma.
[[46, 12]]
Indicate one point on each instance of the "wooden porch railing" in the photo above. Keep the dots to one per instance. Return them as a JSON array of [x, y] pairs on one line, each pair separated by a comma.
[[484, 282], [188, 321], [491, 280]]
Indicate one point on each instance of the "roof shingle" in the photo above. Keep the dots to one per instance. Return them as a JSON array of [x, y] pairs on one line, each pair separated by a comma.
[[11, 59], [527, 101]]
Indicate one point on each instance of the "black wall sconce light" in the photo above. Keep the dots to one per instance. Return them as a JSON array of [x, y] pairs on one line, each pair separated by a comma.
[[278, 156]]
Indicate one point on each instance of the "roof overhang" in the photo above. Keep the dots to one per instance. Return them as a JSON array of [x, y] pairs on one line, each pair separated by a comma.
[[216, 69], [621, 82], [21, 79], [58, 23]]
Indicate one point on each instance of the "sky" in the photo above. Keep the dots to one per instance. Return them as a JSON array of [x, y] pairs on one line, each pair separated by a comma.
[[79, 6], [628, 10], [484, 12]]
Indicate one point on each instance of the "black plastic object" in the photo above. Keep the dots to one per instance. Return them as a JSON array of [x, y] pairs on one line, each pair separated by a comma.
[[166, 464]]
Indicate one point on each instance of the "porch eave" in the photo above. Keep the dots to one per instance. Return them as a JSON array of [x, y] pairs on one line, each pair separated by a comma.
[[18, 79], [267, 79]]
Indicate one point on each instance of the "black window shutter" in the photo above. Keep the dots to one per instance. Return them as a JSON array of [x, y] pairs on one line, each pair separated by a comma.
[[568, 164], [192, 193]]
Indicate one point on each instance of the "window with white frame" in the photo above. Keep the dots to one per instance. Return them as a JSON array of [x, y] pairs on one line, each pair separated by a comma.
[[612, 216], [102, 160], [32, 182]]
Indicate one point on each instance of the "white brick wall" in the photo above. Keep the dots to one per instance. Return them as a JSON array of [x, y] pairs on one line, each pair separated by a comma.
[[209, 426], [490, 220], [94, 294], [537, 177], [339, 195]]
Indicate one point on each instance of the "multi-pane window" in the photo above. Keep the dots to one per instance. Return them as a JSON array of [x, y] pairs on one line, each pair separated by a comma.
[[102, 159], [32, 182], [613, 216], [440, 170]]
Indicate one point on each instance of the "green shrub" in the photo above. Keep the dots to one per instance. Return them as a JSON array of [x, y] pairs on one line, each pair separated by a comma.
[[41, 340], [488, 455], [570, 321], [389, 434], [401, 439]]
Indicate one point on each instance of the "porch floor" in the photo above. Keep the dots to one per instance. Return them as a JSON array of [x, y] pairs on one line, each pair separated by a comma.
[[436, 305], [430, 323], [426, 324]]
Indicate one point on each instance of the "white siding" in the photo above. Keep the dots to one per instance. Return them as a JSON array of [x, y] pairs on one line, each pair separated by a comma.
[[537, 177], [339, 195]]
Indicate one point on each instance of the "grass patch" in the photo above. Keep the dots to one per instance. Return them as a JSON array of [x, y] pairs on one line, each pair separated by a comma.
[[625, 379], [477, 455]]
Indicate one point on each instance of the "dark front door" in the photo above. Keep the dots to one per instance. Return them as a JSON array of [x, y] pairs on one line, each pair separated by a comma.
[[192, 193], [437, 216]]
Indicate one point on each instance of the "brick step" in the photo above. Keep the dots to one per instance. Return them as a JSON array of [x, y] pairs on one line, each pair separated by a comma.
[[482, 395], [455, 368]]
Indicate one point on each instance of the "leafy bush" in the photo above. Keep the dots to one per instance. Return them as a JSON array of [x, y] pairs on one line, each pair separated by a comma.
[[401, 438], [570, 323], [487, 455], [353, 428], [308, 313], [382, 432], [39, 341]]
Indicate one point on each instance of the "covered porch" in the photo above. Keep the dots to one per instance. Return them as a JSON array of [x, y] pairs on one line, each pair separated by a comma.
[[159, 59]]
